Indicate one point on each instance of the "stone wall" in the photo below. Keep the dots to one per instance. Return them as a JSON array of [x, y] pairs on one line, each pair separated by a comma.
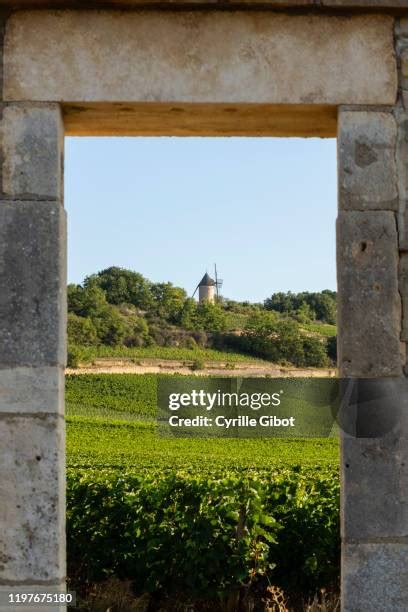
[[372, 242], [32, 348], [201, 73]]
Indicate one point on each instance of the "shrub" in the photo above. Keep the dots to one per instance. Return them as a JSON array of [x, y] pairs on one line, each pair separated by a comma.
[[81, 331], [332, 348], [198, 364], [204, 534], [110, 326], [73, 356]]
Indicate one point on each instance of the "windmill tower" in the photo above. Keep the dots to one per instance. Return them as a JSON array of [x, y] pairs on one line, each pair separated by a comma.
[[208, 288]]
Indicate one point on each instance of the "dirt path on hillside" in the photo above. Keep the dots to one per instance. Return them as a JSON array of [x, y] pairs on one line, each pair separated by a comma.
[[245, 369]]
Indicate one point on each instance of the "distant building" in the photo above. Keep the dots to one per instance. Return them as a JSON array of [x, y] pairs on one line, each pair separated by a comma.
[[206, 289]]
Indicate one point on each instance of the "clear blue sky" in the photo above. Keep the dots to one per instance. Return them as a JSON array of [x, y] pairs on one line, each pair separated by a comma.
[[264, 209]]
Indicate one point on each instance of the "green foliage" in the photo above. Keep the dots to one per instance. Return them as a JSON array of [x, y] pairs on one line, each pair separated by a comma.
[[242, 511], [120, 308], [113, 438], [81, 330], [320, 306], [111, 421], [210, 317], [111, 395], [198, 364], [204, 533], [204, 316], [74, 354], [110, 326], [332, 348], [188, 315], [321, 329], [281, 341], [85, 302], [164, 352], [120, 285], [168, 301], [304, 313], [314, 352]]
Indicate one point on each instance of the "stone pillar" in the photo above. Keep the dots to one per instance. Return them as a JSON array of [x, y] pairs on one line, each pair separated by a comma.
[[374, 466], [32, 348]]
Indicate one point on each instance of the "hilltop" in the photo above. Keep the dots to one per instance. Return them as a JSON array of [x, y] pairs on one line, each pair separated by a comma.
[[119, 313]]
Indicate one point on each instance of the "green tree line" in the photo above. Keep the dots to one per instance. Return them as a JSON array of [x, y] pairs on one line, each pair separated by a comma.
[[120, 307]]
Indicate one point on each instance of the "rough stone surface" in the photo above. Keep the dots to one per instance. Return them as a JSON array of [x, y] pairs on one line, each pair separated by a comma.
[[404, 63], [369, 310], [374, 463], [31, 152], [32, 522], [32, 390], [367, 167], [33, 280], [375, 577], [402, 171], [198, 57], [403, 285]]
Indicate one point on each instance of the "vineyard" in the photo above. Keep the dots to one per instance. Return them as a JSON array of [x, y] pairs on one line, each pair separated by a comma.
[[88, 353], [193, 518]]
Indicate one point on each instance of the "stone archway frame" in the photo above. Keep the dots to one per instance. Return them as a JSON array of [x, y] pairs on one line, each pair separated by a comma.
[[203, 72]]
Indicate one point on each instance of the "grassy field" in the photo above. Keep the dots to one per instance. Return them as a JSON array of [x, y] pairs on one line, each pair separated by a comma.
[[164, 352], [322, 329], [111, 423]]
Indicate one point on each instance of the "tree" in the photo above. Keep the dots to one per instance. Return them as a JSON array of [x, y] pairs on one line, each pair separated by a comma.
[[326, 308], [81, 331], [122, 286], [86, 302], [332, 348], [188, 316], [282, 341], [168, 301], [110, 326], [210, 317], [304, 313], [315, 355], [281, 302], [321, 305]]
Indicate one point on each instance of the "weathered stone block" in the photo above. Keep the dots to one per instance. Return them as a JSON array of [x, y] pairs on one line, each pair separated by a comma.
[[199, 57], [404, 63], [31, 152], [375, 461], [33, 281], [366, 158], [369, 309], [403, 287], [32, 489], [32, 390], [375, 577], [402, 172]]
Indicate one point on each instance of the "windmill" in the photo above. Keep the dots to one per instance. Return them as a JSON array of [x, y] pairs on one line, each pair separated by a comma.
[[208, 288]]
